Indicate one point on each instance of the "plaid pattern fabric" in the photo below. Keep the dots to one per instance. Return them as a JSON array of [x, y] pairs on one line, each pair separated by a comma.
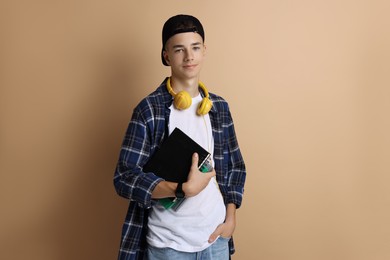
[[146, 131]]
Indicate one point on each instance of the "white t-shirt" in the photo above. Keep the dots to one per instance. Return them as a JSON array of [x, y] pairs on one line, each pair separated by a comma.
[[189, 228]]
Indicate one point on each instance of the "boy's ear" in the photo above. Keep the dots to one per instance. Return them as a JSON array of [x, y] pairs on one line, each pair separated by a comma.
[[165, 55]]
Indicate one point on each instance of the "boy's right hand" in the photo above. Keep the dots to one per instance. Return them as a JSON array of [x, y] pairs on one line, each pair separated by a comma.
[[197, 180]]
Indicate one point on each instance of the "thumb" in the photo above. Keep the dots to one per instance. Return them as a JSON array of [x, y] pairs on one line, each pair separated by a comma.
[[215, 234], [195, 159]]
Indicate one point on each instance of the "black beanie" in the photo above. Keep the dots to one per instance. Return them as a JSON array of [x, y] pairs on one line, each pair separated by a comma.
[[180, 24]]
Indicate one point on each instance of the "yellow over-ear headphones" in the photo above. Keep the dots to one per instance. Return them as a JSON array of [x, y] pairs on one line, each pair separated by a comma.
[[183, 100]]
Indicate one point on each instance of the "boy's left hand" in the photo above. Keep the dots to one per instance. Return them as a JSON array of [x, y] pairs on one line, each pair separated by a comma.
[[225, 230]]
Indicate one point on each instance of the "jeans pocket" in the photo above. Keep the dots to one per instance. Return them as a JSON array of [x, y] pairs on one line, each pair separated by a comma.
[[224, 238]]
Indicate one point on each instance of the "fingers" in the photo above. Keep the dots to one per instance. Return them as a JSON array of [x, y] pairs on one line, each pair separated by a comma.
[[212, 173]]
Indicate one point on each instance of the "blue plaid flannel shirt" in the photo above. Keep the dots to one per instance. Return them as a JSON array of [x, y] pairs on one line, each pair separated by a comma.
[[146, 131]]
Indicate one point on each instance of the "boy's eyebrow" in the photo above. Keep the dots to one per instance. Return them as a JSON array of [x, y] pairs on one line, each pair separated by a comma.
[[181, 46]]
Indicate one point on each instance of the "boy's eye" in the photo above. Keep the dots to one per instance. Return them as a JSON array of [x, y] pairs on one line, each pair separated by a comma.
[[178, 50]]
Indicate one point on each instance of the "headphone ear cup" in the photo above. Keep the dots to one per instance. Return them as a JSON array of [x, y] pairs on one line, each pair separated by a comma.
[[182, 100], [204, 106]]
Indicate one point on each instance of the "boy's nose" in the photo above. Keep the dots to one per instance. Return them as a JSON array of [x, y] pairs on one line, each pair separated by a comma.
[[189, 56]]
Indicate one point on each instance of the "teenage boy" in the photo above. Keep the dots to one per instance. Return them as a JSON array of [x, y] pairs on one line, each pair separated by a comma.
[[202, 227]]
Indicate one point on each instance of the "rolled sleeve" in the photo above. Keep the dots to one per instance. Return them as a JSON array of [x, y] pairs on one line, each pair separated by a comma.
[[235, 194], [129, 179]]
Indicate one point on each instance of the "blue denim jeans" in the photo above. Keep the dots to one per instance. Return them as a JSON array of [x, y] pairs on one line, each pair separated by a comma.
[[217, 251]]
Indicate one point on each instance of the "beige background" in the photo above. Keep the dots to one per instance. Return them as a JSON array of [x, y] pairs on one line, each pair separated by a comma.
[[307, 81]]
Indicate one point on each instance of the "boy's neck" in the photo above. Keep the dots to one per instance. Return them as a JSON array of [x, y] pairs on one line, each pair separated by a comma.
[[189, 85]]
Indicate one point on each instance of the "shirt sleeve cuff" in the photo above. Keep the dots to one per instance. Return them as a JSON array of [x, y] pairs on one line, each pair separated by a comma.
[[235, 195], [145, 189]]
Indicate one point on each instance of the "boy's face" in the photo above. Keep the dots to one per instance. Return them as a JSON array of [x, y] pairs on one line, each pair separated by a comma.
[[185, 53]]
